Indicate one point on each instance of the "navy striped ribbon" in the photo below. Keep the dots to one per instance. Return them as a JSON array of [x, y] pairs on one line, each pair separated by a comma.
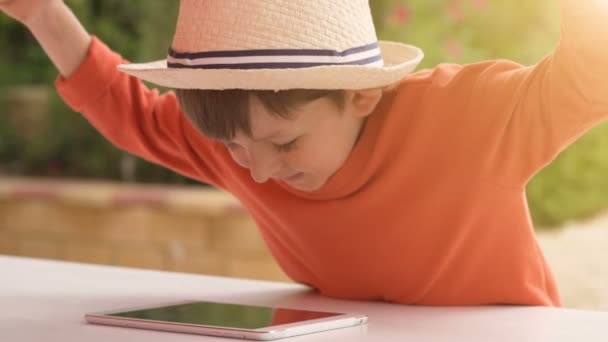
[[275, 58]]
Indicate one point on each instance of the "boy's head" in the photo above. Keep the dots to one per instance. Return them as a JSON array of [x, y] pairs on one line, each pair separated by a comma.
[[299, 137]]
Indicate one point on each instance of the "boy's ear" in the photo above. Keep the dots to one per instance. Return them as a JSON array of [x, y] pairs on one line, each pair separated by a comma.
[[363, 102]]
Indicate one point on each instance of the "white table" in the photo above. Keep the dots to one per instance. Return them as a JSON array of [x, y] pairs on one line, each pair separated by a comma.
[[43, 300]]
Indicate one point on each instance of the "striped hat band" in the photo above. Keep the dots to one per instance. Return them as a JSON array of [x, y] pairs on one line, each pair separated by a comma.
[[368, 55]]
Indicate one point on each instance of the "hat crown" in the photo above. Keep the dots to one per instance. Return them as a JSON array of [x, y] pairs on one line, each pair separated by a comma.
[[278, 45], [223, 25]]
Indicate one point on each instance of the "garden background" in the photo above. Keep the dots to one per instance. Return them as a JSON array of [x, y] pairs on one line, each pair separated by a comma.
[[40, 136]]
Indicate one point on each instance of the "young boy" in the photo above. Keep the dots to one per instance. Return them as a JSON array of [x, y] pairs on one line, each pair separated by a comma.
[[366, 182]]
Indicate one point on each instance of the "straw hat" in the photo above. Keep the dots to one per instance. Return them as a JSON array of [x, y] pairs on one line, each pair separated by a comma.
[[277, 45]]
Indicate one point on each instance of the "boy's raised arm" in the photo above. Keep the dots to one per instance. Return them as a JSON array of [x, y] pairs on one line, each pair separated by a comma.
[[127, 113], [58, 31], [537, 111], [581, 60]]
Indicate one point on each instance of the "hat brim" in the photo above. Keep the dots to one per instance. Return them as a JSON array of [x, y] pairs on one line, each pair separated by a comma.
[[399, 60]]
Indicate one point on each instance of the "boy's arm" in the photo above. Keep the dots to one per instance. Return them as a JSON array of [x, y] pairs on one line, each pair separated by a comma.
[[137, 119], [55, 27], [128, 114], [544, 108]]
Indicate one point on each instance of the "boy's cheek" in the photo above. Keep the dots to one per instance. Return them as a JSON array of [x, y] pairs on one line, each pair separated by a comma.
[[240, 158]]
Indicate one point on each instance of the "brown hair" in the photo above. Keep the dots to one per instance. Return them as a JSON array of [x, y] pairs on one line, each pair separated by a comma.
[[219, 114]]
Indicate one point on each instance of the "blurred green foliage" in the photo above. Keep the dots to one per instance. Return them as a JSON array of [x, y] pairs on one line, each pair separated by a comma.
[[455, 31], [575, 185]]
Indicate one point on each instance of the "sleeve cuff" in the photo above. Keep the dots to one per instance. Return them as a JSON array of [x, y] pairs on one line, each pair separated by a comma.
[[93, 75]]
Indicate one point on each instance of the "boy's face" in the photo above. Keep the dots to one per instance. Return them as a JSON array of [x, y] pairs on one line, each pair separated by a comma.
[[305, 150]]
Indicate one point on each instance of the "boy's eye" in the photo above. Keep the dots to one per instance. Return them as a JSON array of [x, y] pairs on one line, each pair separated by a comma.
[[285, 147]]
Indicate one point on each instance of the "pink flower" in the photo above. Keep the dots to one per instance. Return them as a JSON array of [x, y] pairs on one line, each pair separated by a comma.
[[453, 47], [479, 5], [401, 14], [455, 11]]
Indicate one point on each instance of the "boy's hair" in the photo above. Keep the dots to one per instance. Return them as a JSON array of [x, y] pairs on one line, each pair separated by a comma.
[[219, 114]]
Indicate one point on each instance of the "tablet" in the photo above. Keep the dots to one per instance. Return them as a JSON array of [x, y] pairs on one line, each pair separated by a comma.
[[228, 320]]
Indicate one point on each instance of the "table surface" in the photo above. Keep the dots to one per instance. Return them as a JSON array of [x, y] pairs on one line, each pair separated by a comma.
[[43, 300]]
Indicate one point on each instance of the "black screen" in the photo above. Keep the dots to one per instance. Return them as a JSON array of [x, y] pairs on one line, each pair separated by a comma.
[[225, 315]]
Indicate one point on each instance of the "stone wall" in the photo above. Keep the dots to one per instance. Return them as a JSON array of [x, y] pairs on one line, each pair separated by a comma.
[[184, 229]]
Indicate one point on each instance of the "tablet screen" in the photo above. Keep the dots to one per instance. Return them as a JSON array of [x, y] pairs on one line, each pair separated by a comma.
[[224, 315]]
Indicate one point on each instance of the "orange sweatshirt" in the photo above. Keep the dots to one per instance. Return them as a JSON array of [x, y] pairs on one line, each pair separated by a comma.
[[430, 206]]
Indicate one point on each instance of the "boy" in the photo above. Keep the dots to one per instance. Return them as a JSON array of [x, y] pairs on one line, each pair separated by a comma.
[[365, 182]]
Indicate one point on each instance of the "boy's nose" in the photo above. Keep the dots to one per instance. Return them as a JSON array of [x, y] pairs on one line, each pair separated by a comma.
[[262, 168]]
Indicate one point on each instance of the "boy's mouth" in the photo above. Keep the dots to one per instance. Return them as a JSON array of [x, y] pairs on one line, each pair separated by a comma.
[[293, 178]]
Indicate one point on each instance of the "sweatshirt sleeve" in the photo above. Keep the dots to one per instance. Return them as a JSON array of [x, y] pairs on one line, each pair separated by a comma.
[[525, 116], [137, 119]]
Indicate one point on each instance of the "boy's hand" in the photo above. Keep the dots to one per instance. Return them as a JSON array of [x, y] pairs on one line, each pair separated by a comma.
[[26, 11]]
